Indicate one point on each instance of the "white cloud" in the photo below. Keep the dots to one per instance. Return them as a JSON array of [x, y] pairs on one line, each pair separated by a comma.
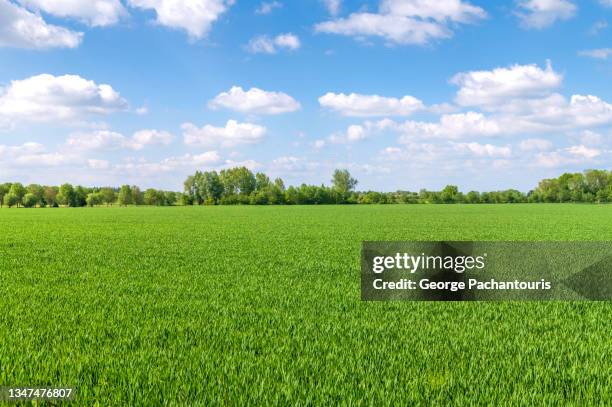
[[46, 97], [263, 44], [583, 151], [356, 132], [606, 3], [481, 88], [195, 16], [149, 137], [597, 27], [267, 7], [357, 105], [255, 101], [98, 164], [93, 12], [291, 164], [19, 28], [539, 14], [145, 168], [571, 156], [96, 141], [590, 138], [450, 126], [535, 144], [332, 6], [406, 21], [484, 150], [456, 11], [233, 134], [102, 140], [600, 53], [33, 155]]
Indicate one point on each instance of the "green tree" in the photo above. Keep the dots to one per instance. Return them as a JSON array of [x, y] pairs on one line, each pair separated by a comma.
[[125, 195], [29, 200], [66, 195], [80, 196], [343, 184], [109, 197], [50, 196], [472, 197], [137, 196], [39, 192], [450, 194], [18, 190], [11, 199], [4, 189]]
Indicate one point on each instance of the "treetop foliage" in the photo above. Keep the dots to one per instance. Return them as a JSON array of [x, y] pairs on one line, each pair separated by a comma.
[[241, 186]]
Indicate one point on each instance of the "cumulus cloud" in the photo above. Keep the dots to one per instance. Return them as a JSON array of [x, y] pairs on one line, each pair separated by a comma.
[[574, 155], [20, 28], [498, 86], [540, 14], [255, 101], [264, 44], [34, 155], [95, 164], [357, 105], [143, 168], [94, 13], [292, 164], [535, 144], [231, 135], [450, 126], [406, 21], [332, 6], [267, 7], [97, 140], [584, 151], [46, 97], [101, 140], [600, 53], [195, 16], [484, 150], [149, 137]]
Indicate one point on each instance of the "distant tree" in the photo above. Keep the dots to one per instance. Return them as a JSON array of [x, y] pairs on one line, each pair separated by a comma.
[[213, 187], [450, 194], [94, 199], [125, 195], [4, 189], [66, 195], [472, 197], [343, 184], [38, 191], [170, 198], [137, 196], [151, 197], [11, 199], [50, 196], [80, 196], [109, 197], [262, 182], [18, 190], [29, 200]]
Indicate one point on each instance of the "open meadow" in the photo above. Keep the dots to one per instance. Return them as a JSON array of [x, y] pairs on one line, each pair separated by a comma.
[[261, 305]]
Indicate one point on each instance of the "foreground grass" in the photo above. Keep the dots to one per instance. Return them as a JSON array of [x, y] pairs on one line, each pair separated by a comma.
[[261, 305]]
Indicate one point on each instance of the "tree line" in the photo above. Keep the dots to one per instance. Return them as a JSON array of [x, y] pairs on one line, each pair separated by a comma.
[[240, 186]]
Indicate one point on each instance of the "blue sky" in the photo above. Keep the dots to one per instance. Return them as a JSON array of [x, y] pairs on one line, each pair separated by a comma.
[[406, 94]]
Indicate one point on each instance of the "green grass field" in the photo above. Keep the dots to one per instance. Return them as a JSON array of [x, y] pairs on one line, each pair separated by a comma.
[[261, 305]]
